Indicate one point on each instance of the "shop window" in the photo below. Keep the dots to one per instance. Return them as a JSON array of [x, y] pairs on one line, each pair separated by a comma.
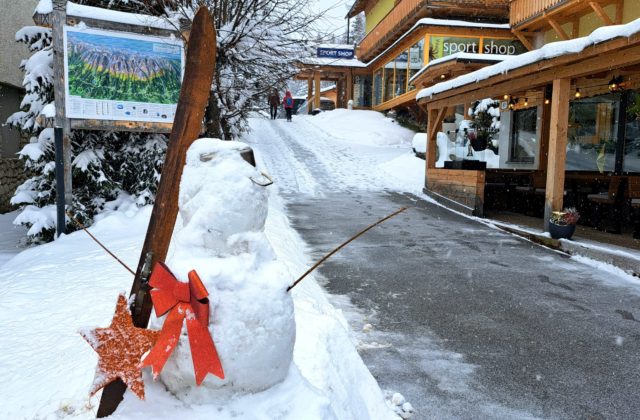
[[524, 136], [416, 58], [389, 81], [377, 87], [631, 159], [362, 91], [592, 134], [402, 64]]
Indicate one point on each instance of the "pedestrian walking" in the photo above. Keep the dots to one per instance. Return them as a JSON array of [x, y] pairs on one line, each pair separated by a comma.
[[274, 103], [288, 105]]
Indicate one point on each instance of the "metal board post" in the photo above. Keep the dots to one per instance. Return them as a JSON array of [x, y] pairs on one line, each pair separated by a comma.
[[60, 190]]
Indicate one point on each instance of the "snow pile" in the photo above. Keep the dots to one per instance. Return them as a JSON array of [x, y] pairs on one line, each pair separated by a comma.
[[222, 238], [419, 143], [362, 127], [551, 50]]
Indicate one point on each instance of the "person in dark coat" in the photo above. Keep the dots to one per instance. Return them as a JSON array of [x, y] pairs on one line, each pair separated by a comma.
[[274, 103], [288, 105]]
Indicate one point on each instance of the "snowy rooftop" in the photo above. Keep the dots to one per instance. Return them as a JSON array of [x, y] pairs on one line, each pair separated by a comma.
[[547, 52], [336, 46], [461, 56], [332, 62], [441, 22], [90, 12]]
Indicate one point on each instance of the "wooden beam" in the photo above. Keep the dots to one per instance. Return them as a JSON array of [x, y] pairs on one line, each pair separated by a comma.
[[559, 123], [619, 11], [601, 13], [309, 94], [575, 28], [349, 88], [434, 123], [556, 27], [525, 41], [316, 91]]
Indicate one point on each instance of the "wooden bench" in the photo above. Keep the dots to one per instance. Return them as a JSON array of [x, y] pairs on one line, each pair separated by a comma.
[[613, 199]]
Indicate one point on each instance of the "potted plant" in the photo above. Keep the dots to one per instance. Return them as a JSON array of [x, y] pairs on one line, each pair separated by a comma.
[[562, 224]]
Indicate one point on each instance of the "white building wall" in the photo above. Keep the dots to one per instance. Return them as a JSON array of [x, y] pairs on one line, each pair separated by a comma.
[[14, 14]]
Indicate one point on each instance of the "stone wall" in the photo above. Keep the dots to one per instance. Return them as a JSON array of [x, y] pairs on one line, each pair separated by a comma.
[[11, 175]]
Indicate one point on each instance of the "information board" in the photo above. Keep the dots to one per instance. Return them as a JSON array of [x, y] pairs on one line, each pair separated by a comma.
[[121, 76]]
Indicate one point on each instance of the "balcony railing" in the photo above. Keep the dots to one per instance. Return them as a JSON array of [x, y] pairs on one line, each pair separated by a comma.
[[408, 12], [522, 10]]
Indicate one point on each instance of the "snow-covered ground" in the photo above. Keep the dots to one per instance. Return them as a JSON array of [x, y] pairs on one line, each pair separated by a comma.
[[51, 291]]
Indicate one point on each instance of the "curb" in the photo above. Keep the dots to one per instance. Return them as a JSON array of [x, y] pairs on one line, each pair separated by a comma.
[[625, 261]]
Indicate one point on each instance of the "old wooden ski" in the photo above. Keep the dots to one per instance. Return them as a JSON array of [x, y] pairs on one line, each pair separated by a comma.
[[194, 95]]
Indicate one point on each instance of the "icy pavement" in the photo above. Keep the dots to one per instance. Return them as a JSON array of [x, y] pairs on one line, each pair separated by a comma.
[[464, 320], [12, 238]]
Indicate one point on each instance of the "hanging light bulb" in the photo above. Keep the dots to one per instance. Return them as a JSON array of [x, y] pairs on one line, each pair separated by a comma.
[[505, 97], [443, 76], [526, 101], [578, 94], [615, 84], [547, 101]]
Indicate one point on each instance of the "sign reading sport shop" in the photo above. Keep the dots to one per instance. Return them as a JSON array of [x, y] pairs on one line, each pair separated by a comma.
[[442, 46], [121, 76]]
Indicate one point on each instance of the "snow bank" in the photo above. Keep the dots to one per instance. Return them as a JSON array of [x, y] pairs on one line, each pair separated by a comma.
[[554, 49], [222, 237], [362, 127]]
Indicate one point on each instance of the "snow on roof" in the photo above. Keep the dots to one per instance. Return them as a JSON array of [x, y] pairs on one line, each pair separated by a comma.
[[463, 56], [332, 62], [90, 12], [552, 50], [441, 22], [327, 89], [336, 46]]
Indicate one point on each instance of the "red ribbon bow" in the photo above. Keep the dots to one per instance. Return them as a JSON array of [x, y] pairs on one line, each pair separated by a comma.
[[183, 300]]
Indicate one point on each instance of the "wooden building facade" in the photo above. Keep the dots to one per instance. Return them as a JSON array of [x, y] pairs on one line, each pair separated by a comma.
[[569, 118]]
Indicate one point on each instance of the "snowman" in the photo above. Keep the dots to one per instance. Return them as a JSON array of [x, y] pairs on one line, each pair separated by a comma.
[[251, 319]]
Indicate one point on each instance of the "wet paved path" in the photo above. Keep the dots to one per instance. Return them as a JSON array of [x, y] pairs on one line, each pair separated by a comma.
[[467, 321]]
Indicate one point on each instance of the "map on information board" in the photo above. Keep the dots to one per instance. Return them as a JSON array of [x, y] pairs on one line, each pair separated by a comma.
[[121, 76]]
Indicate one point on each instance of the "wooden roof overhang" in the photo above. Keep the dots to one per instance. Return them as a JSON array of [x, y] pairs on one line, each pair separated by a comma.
[[603, 58], [450, 70], [327, 72], [358, 7], [558, 14]]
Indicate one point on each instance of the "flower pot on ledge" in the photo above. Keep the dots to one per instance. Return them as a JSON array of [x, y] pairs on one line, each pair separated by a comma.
[[561, 231]]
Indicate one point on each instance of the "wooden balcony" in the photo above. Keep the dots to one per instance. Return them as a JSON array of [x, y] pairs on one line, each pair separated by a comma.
[[407, 12], [536, 14]]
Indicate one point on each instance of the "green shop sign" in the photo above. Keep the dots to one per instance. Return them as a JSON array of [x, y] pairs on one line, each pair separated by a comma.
[[442, 46]]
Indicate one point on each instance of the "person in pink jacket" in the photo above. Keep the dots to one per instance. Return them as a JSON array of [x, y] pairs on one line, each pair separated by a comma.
[[288, 105]]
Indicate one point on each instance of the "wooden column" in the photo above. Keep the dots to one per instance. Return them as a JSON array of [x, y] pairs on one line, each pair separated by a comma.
[[545, 119], [316, 90], [558, 125], [349, 88], [58, 20], [434, 123], [309, 94]]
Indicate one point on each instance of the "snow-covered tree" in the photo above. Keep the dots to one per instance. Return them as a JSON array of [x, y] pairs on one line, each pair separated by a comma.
[[357, 29], [104, 164]]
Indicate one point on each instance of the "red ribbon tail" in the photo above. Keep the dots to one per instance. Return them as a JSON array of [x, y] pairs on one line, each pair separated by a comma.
[[203, 351], [167, 340]]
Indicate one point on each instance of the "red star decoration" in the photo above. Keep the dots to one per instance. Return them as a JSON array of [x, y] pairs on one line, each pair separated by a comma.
[[120, 348]]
